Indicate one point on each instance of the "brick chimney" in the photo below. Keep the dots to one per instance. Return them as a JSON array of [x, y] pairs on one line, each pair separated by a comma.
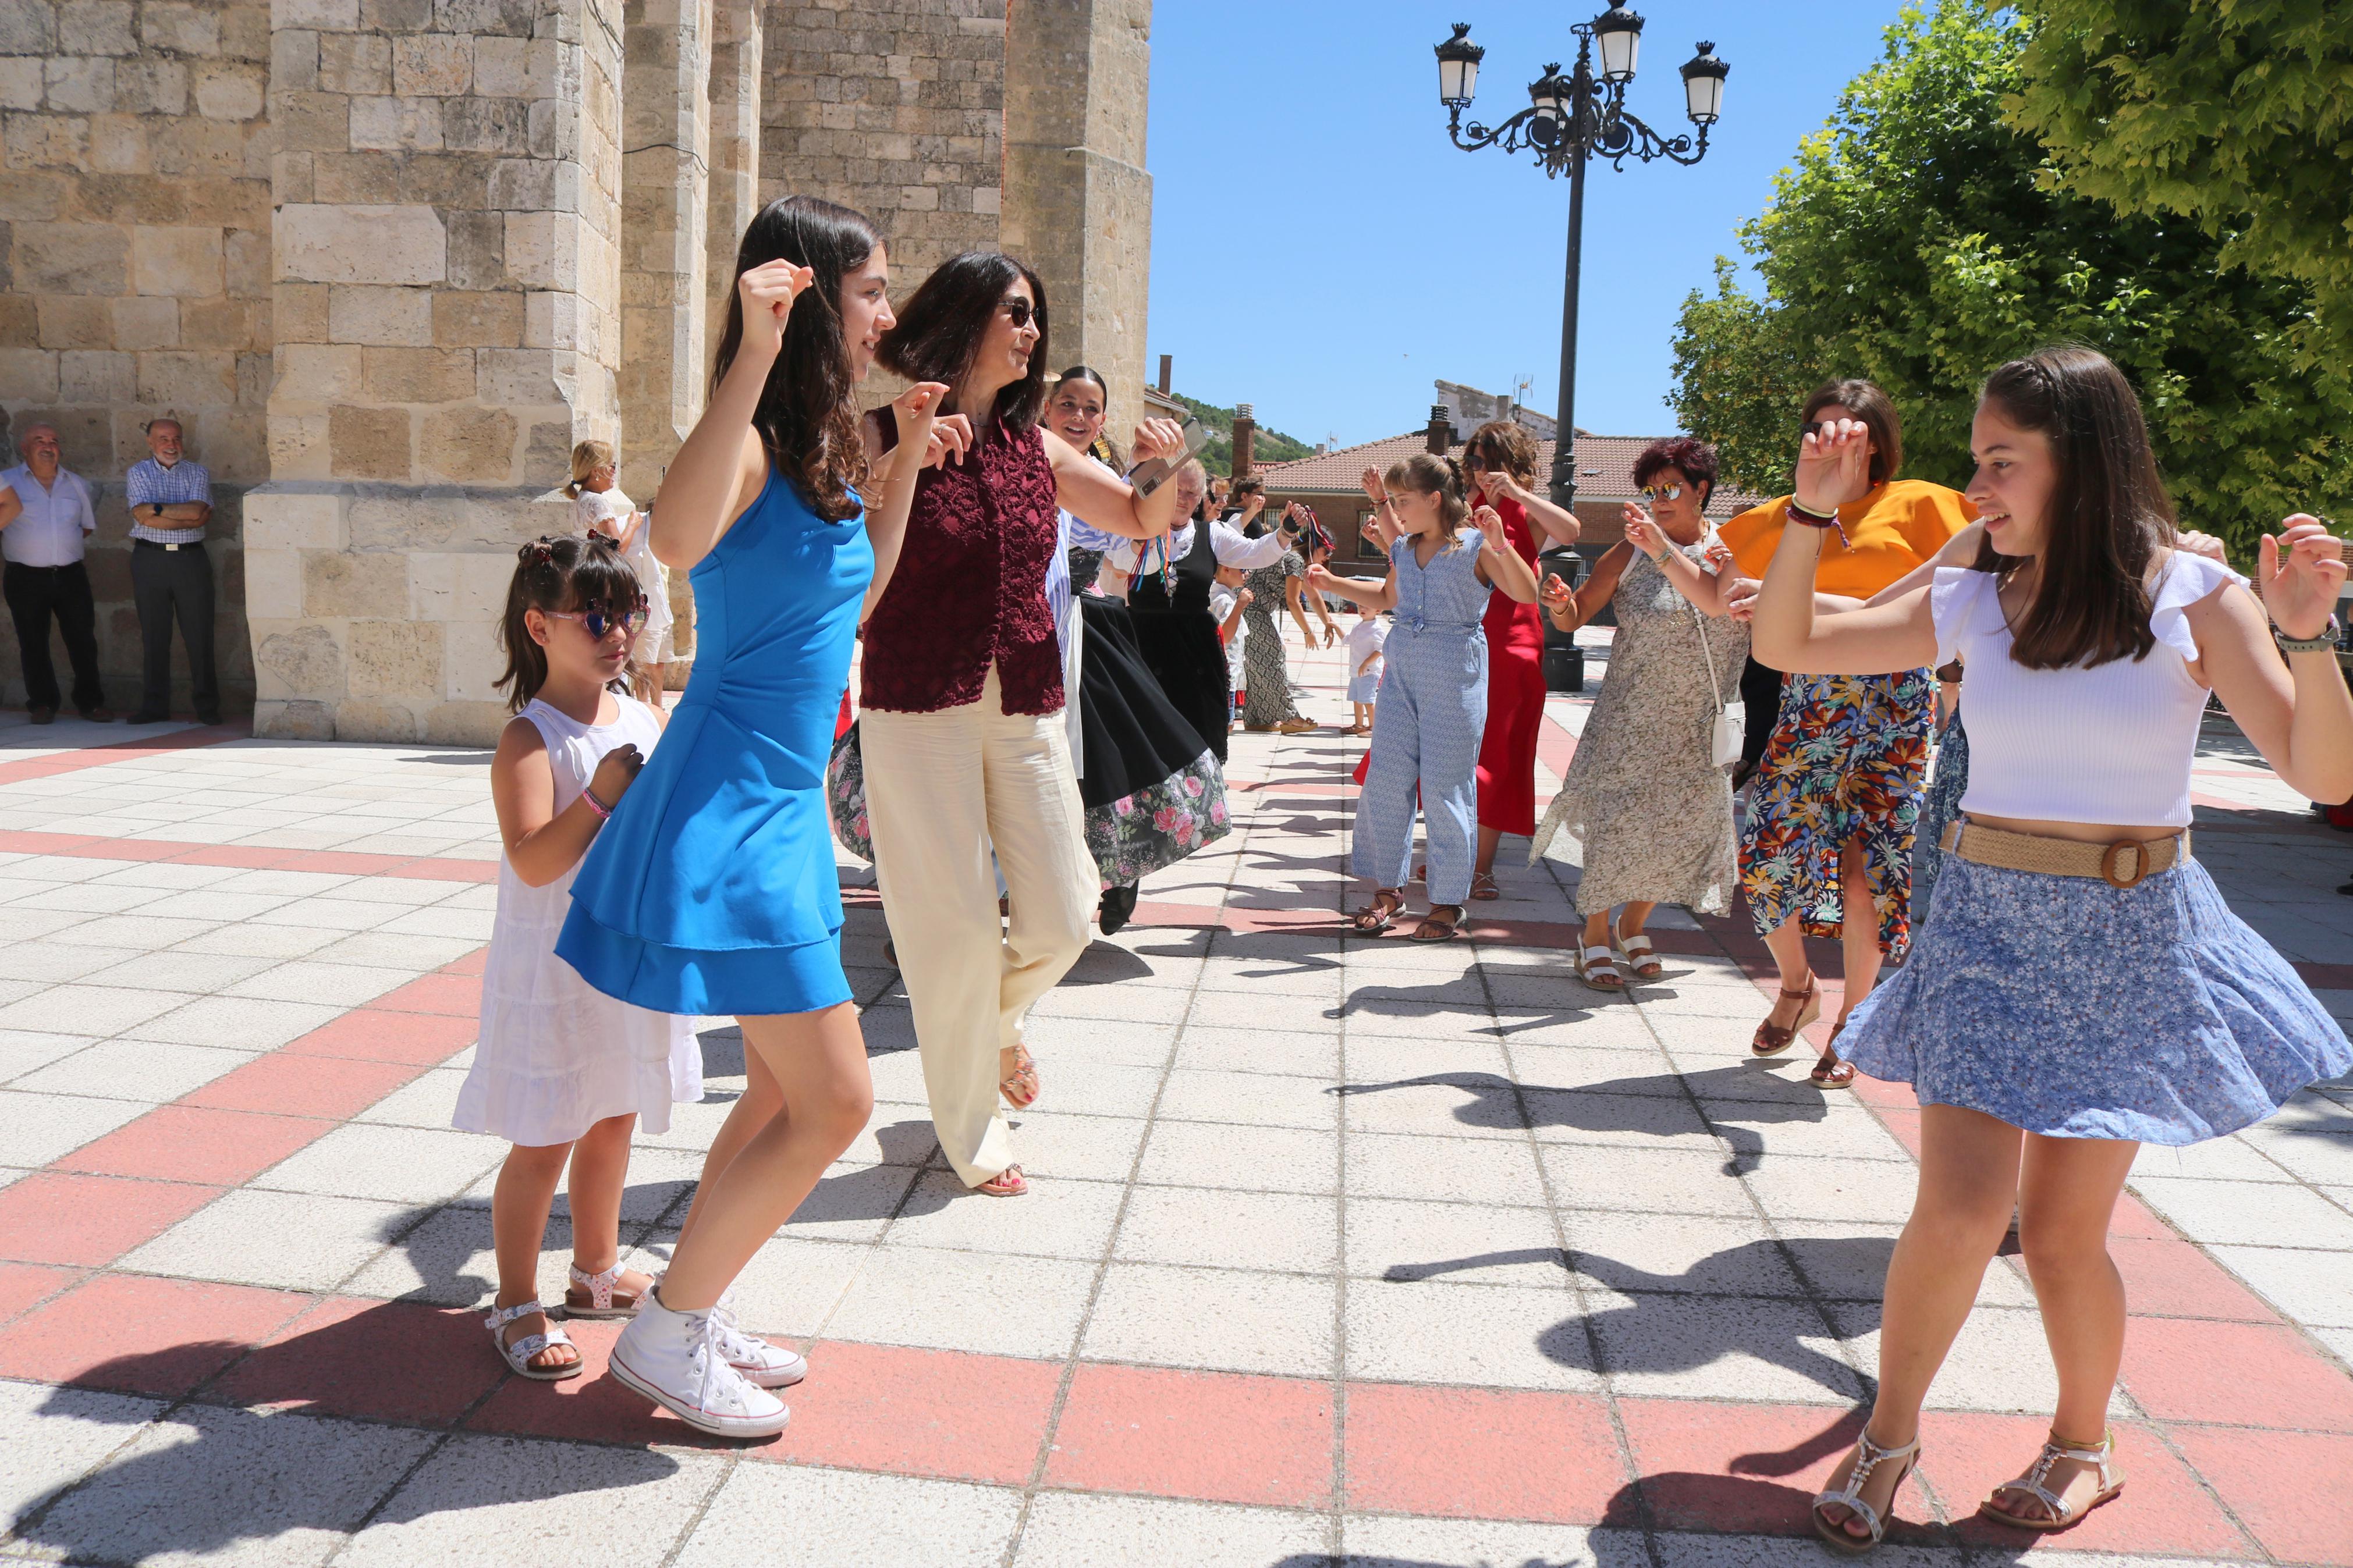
[[1245, 429], [1164, 367], [1440, 438]]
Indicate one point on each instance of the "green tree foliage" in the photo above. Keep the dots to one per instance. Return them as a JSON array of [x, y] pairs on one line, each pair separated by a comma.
[[1266, 446], [2237, 114], [1920, 241]]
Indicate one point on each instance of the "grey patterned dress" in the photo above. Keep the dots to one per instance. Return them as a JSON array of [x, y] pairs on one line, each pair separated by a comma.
[[1651, 815], [1265, 672]]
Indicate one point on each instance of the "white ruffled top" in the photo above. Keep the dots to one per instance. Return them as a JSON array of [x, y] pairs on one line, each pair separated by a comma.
[[2112, 742]]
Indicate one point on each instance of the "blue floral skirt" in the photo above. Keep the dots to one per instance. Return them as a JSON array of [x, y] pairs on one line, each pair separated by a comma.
[[2068, 1007], [1939, 808]]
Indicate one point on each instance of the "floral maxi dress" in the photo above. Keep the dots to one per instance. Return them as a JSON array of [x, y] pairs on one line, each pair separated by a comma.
[[1652, 811]]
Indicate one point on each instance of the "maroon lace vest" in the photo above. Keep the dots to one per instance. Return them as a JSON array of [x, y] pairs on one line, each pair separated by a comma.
[[970, 588]]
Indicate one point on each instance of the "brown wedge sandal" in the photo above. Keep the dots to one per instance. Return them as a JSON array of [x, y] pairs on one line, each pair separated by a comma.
[[1771, 1039], [1833, 1072]]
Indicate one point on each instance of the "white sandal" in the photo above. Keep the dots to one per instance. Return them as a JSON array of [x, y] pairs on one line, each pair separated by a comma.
[[518, 1354], [1868, 1457], [1597, 967], [600, 1295], [1636, 952], [2033, 1484]]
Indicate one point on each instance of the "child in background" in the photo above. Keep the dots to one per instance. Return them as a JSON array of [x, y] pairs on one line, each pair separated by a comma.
[[1227, 600], [1365, 640], [564, 1071], [599, 507]]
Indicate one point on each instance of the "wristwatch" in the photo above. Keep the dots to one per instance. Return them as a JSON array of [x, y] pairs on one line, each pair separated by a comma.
[[2326, 639]]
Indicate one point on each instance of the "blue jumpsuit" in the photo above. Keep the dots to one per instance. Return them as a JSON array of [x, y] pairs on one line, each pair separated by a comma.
[[1427, 722]]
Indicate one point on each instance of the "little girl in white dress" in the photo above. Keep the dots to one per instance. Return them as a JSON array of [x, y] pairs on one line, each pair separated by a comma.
[[563, 1071], [599, 506]]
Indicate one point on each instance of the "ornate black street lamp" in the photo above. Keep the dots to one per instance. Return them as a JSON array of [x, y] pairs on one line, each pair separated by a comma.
[[1570, 118]]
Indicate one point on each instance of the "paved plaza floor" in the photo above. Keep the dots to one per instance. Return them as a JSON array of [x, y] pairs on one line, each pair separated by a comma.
[[1341, 1250]]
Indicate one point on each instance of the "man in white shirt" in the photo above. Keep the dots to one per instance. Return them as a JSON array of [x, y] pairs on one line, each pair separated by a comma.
[[171, 500], [46, 513]]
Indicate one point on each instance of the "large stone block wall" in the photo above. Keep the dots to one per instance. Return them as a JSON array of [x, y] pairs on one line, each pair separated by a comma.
[[447, 289], [134, 275]]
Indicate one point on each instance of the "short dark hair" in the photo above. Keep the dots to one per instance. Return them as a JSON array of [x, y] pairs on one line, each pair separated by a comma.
[[1688, 455], [941, 329], [2108, 513], [1867, 403]]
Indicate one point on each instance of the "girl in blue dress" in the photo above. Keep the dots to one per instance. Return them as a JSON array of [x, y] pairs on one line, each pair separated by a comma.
[[2081, 987], [1432, 705], [713, 888]]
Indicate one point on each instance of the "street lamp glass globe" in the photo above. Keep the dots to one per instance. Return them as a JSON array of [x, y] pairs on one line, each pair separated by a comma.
[[1704, 76], [1552, 92], [1458, 67], [1617, 33]]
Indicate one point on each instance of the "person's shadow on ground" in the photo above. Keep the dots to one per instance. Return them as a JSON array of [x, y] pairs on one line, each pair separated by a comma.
[[1627, 1105]]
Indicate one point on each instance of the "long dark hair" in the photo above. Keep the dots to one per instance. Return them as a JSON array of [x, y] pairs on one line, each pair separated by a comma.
[[1875, 409], [2108, 516], [807, 414], [561, 572], [940, 330], [1103, 451]]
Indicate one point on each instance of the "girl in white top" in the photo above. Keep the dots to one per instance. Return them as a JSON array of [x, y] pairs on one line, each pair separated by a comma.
[[563, 1071], [599, 507], [2080, 987]]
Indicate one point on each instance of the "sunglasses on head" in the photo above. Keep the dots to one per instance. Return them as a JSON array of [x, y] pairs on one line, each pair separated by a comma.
[[1021, 311], [1655, 492], [598, 622]]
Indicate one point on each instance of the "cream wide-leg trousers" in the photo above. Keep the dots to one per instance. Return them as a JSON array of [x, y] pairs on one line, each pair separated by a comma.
[[942, 790]]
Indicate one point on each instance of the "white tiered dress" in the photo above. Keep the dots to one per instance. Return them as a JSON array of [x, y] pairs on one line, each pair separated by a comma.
[[556, 1056]]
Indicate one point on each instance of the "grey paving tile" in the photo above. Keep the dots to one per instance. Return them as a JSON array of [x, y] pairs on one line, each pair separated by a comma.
[[27, 1050], [448, 1261], [304, 980], [88, 1009], [1393, 1541], [940, 1212], [1483, 1336], [1080, 1530], [1259, 1159], [1708, 1253], [56, 1435], [1214, 1317], [35, 1129], [144, 1071], [293, 1241], [945, 1300], [2246, 1214], [1461, 1170], [1261, 1100], [1080, 1148], [788, 1289], [2314, 1288], [1872, 1190], [1721, 1347], [843, 1519], [1396, 1239], [2000, 1361], [1656, 1180], [55, 963], [397, 1165], [1215, 1048], [1292, 1232], [237, 1023]]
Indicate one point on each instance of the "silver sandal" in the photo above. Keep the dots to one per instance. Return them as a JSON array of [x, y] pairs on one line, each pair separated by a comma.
[[518, 1354], [2033, 1484], [1868, 1457]]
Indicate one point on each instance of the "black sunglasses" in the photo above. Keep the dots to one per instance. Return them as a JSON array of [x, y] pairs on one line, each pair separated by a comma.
[[1021, 311], [598, 622]]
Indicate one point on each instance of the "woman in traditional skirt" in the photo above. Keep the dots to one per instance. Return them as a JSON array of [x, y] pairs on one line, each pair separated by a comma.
[[1826, 844], [1266, 705], [2081, 987]]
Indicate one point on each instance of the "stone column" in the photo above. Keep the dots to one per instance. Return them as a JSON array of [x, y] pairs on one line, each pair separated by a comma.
[[1078, 203], [736, 39], [445, 294], [665, 163]]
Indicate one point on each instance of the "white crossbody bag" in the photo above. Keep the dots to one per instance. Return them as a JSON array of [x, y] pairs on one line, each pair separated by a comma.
[[1729, 734]]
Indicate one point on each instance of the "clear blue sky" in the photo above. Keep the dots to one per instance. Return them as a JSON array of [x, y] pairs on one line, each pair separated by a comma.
[[1320, 251]]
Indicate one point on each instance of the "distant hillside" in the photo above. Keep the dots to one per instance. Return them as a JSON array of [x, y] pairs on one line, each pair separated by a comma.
[[1266, 446]]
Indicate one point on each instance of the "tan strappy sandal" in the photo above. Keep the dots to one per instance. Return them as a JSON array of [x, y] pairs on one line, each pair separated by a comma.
[[1009, 1183], [1019, 1086], [2035, 1483], [1868, 1457], [1771, 1039]]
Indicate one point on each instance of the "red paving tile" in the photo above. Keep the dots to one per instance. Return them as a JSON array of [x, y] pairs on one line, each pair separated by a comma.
[[340, 862], [288, 1085], [919, 1413], [1475, 1454], [195, 1144], [122, 751], [2163, 1509], [2135, 1218], [2172, 1278], [593, 1407], [54, 1217], [139, 1335], [2239, 1375], [23, 1284], [1212, 1434], [472, 964], [454, 995], [333, 1360], [439, 868], [2293, 1490], [1754, 1468], [368, 1034]]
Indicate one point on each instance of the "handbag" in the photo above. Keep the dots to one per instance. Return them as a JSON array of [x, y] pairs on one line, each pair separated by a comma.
[[844, 795], [1728, 737]]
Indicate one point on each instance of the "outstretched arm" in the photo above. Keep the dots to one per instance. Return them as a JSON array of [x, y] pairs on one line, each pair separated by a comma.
[[1108, 502], [721, 465], [2294, 706], [1380, 595], [1570, 610]]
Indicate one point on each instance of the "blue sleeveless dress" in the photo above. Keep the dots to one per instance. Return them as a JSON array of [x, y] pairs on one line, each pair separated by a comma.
[[713, 888]]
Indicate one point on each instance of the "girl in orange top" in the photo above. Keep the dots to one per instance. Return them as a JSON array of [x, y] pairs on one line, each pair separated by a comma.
[[1837, 796]]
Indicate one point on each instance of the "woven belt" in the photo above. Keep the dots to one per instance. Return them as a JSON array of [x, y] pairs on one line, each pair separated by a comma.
[[2123, 864]]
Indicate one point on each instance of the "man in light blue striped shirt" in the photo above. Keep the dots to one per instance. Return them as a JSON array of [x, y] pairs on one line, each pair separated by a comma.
[[170, 502]]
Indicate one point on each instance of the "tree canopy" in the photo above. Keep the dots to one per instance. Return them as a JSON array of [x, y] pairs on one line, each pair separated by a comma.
[[2237, 115], [1921, 238]]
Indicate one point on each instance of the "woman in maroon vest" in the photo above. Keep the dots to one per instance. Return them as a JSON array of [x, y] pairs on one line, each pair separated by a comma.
[[961, 697]]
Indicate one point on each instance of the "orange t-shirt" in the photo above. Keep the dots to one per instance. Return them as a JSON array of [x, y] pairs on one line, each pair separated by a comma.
[[1889, 531]]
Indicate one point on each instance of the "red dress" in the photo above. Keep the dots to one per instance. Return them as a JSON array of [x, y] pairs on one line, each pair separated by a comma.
[[1516, 694]]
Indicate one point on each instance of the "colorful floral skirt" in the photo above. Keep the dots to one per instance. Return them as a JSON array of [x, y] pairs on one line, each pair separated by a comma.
[[1844, 766]]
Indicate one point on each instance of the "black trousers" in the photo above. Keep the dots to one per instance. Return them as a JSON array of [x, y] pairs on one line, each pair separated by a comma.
[[37, 596], [1760, 688], [165, 583]]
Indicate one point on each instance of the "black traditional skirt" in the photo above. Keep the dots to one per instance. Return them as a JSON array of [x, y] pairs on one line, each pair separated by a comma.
[[1152, 788]]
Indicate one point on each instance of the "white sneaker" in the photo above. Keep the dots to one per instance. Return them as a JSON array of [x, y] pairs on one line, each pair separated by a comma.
[[674, 1359], [763, 1364]]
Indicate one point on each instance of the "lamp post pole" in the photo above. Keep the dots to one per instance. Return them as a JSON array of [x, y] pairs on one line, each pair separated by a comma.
[[1569, 121]]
